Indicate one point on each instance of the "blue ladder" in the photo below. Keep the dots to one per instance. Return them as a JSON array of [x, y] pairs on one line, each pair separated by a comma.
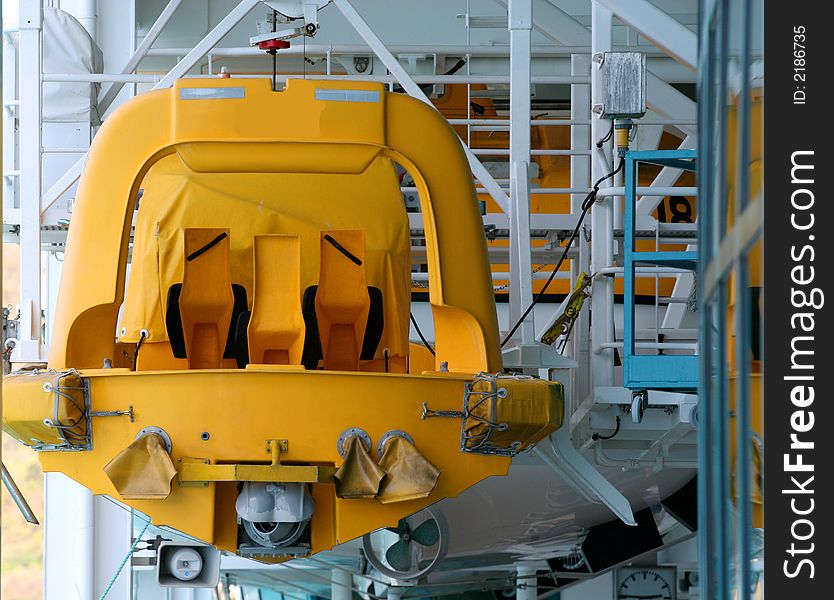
[[644, 371]]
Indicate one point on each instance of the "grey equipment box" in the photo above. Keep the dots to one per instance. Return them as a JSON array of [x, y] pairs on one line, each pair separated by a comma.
[[623, 85]]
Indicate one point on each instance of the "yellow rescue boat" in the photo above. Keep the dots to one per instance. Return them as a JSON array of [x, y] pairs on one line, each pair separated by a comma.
[[231, 348]]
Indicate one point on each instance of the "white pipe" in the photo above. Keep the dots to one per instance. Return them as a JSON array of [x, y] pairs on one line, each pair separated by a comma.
[[526, 582], [64, 150], [520, 25], [602, 230], [502, 275], [506, 122], [503, 152], [86, 15], [618, 271], [99, 78], [655, 191], [87, 538], [537, 50], [556, 122], [449, 79], [580, 174], [652, 345], [341, 587]]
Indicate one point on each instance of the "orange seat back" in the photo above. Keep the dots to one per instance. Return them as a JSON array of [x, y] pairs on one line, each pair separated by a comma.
[[206, 300], [342, 302], [276, 326]]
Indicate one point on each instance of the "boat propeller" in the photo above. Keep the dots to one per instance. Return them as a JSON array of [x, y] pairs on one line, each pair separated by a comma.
[[399, 554], [412, 549]]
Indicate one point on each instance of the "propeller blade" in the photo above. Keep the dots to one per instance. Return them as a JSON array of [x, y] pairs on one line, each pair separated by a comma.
[[401, 528], [399, 556], [427, 534]]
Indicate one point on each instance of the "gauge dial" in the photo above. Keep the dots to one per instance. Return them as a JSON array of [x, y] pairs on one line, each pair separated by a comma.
[[651, 583]]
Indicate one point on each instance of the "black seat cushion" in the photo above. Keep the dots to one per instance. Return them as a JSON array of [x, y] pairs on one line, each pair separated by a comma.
[[242, 339], [312, 353], [173, 321]]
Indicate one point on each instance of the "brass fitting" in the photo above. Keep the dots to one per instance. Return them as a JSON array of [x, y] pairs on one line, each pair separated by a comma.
[[622, 131]]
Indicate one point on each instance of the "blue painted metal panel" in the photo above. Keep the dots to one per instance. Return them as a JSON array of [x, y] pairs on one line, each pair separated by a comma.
[[658, 372], [662, 371]]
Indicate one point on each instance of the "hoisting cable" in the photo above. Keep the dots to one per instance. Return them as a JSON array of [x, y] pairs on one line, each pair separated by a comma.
[[586, 206], [420, 333]]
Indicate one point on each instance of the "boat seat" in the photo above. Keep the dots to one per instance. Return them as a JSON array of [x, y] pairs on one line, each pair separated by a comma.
[[342, 302], [275, 331], [173, 321], [373, 330], [206, 300]]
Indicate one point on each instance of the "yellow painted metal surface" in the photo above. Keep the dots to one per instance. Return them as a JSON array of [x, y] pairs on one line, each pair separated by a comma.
[[197, 472], [241, 409], [35, 402], [409, 475], [224, 135], [530, 409], [206, 299], [359, 476], [255, 204], [228, 166], [143, 470], [276, 327], [342, 302]]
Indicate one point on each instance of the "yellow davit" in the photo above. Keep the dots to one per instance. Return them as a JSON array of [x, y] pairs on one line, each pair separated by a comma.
[[251, 383]]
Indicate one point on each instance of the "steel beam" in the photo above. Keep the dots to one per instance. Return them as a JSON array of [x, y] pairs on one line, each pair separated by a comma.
[[207, 43], [140, 53], [555, 24], [11, 105], [671, 104], [602, 215], [659, 28], [580, 175], [661, 97], [520, 24], [526, 581], [65, 182], [393, 65], [29, 347], [667, 177], [341, 587]]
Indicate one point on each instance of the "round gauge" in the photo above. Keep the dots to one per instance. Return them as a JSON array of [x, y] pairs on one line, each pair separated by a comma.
[[650, 583]]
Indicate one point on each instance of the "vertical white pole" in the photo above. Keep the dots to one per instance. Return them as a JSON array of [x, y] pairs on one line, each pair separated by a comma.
[[602, 215], [341, 585], [527, 585], [86, 15], [395, 593], [10, 113], [521, 290], [112, 536], [29, 347], [68, 542], [580, 175]]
